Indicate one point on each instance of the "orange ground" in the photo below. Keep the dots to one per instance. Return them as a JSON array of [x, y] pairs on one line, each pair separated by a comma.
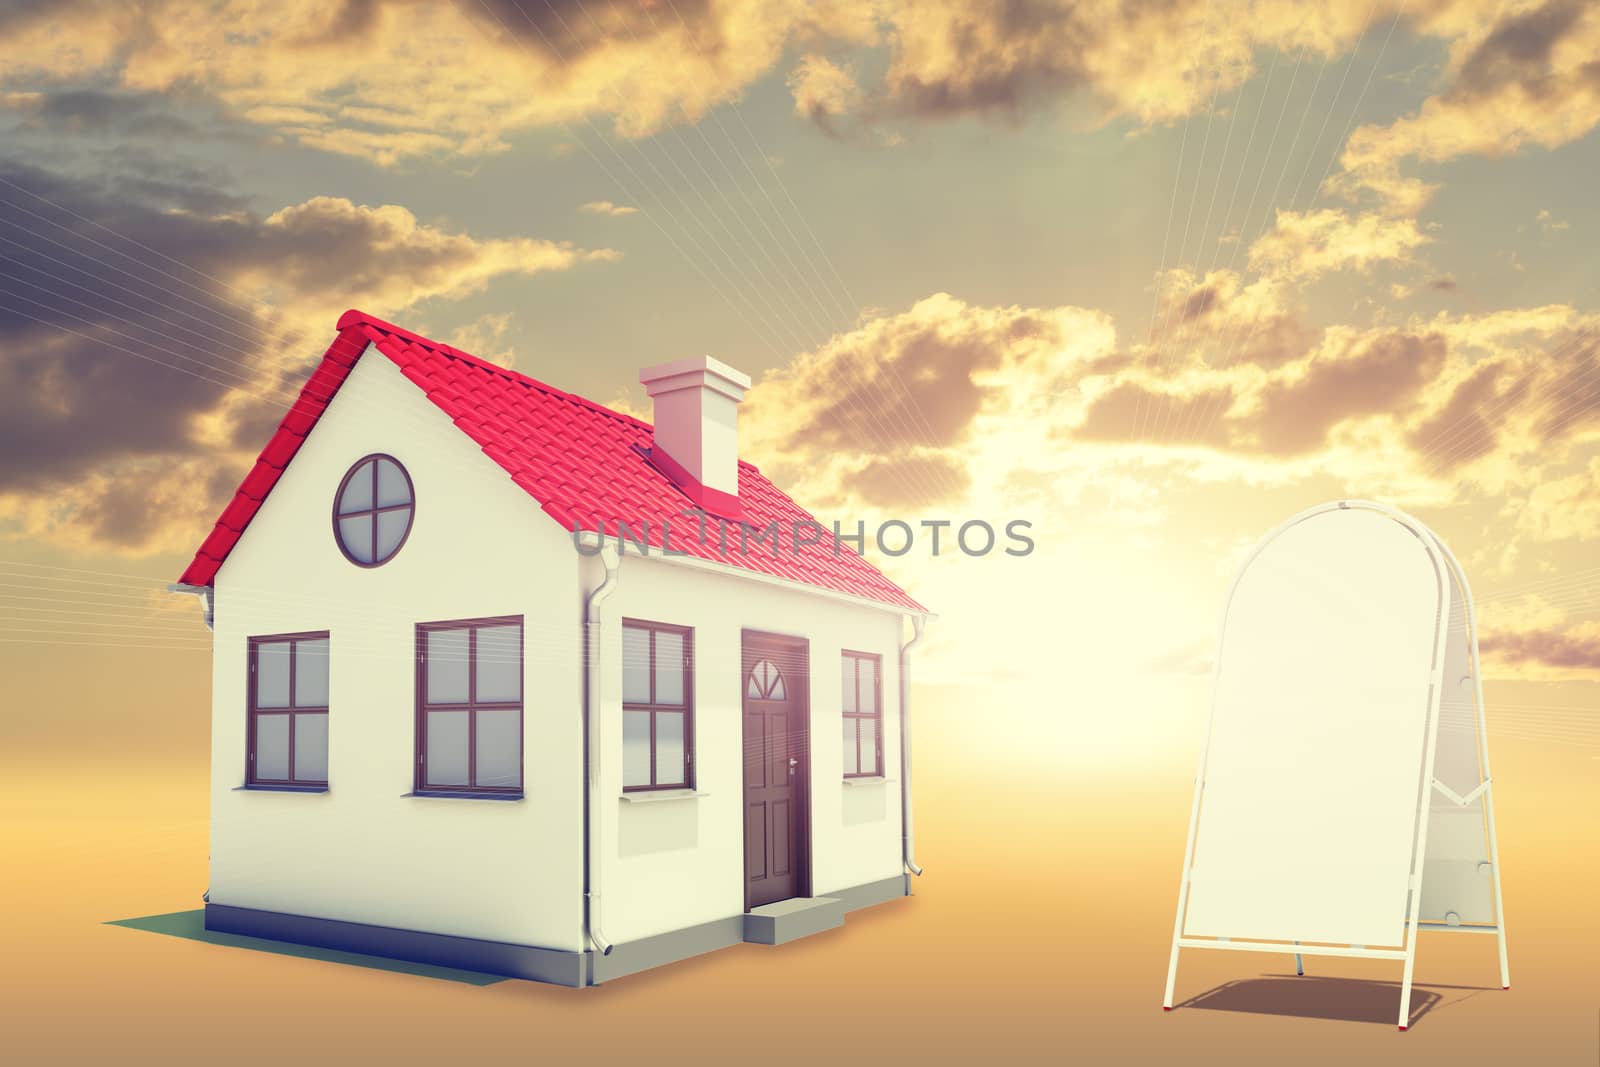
[[1039, 934]]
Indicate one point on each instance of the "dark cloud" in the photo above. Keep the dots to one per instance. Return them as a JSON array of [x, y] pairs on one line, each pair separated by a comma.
[[1011, 54], [567, 30], [1463, 430], [1199, 303], [1552, 391], [915, 388], [1444, 284], [1518, 51], [17, 13], [349, 20], [111, 348], [1547, 647], [1129, 412], [96, 111], [120, 326], [1574, 386], [124, 514], [1289, 415], [1385, 374], [1270, 343], [913, 480]]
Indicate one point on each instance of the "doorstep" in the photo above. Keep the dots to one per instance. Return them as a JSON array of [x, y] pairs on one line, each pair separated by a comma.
[[787, 920]]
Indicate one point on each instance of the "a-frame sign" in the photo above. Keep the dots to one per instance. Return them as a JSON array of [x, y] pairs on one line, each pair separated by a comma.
[[1343, 802]]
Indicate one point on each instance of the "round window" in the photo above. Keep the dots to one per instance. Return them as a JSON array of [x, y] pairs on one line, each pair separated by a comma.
[[373, 510]]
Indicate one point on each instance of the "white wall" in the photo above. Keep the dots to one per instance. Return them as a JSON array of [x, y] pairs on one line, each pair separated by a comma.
[[671, 864], [363, 852]]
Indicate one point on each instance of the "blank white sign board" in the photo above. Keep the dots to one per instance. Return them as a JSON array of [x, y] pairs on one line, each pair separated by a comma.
[[1317, 737], [1345, 730]]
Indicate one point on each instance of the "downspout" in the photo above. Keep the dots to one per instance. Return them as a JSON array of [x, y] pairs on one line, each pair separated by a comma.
[[908, 832], [592, 763], [208, 609]]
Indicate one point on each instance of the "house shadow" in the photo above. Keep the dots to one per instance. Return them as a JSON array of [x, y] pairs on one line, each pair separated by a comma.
[[1353, 1000], [191, 926]]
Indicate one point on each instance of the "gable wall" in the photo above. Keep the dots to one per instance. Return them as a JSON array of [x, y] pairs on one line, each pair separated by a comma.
[[480, 546]]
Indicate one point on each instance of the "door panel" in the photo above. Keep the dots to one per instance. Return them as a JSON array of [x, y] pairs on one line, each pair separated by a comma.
[[782, 862], [755, 842], [777, 828]]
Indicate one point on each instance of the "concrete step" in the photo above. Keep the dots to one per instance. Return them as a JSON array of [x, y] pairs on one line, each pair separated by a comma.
[[786, 920]]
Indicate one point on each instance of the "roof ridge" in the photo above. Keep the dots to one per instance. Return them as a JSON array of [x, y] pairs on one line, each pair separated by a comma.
[[357, 317]]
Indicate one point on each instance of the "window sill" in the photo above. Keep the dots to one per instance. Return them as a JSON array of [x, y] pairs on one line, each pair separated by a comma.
[[874, 779], [280, 789], [652, 796], [444, 794]]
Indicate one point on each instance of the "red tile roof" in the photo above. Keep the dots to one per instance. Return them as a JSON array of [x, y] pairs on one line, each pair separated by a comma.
[[585, 464]]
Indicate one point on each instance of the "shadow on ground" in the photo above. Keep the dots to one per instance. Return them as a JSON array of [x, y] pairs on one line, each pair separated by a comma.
[[190, 925], [1347, 999]]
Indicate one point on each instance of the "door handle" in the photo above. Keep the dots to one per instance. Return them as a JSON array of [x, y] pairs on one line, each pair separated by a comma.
[[793, 763]]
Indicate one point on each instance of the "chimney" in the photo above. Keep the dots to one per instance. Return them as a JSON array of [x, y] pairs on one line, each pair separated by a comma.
[[697, 428]]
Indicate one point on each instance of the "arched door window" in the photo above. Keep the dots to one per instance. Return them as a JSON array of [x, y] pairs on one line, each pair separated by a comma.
[[766, 682]]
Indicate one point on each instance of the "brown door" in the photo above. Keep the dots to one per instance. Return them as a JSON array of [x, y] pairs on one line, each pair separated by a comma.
[[776, 822]]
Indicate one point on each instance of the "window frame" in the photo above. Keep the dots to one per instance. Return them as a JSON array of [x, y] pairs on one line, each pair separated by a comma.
[[374, 511], [291, 710], [854, 658], [686, 709], [472, 706]]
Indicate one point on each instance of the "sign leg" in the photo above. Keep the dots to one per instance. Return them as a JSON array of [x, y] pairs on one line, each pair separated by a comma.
[[1299, 964], [1172, 977], [1494, 869], [1405, 988]]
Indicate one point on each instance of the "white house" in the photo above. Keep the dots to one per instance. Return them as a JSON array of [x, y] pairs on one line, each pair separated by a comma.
[[446, 728]]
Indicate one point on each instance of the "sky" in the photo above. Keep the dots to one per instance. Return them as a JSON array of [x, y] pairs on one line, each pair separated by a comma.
[[1151, 275]]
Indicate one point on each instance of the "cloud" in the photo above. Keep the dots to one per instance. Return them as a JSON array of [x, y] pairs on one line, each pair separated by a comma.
[[85, 322], [484, 337], [1564, 508], [393, 79], [327, 245], [1460, 430], [95, 111], [1500, 400], [1560, 651], [1518, 391], [1287, 410], [1529, 79], [1239, 381], [606, 207], [899, 482], [1303, 245], [900, 398], [823, 91], [1549, 223], [1351, 375], [147, 345], [1148, 62]]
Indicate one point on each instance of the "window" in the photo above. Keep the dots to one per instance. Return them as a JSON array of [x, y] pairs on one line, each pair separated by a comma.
[[288, 711], [469, 706], [657, 706], [766, 682], [863, 715], [373, 510]]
